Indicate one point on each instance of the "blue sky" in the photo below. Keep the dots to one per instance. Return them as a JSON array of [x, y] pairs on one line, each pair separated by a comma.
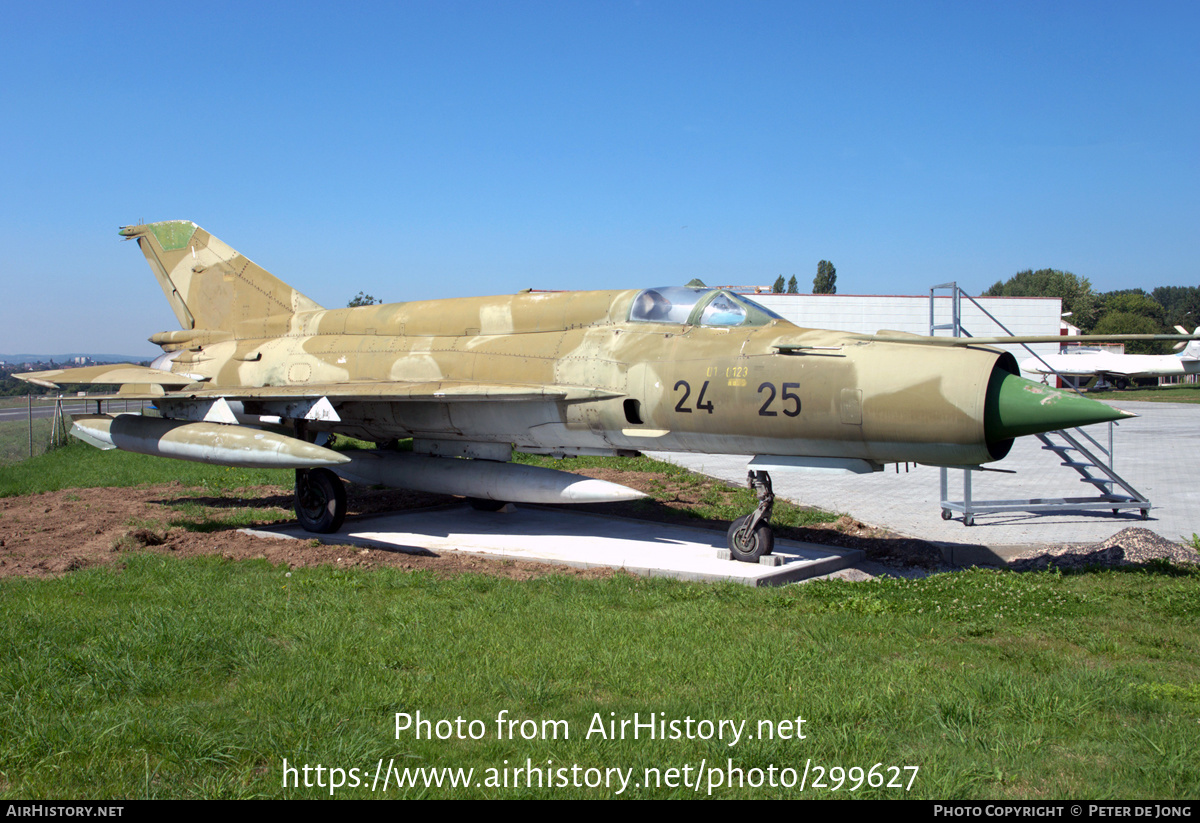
[[421, 150]]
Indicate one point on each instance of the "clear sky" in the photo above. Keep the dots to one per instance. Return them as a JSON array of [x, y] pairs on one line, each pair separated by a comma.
[[417, 150]]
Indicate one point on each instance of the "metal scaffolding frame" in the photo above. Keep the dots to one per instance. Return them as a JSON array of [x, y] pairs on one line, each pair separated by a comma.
[[1093, 463]]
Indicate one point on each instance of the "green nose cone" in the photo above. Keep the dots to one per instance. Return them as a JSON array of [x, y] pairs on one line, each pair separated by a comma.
[[1016, 407]]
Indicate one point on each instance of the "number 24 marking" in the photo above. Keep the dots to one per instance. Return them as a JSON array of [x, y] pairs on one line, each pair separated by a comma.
[[687, 390]]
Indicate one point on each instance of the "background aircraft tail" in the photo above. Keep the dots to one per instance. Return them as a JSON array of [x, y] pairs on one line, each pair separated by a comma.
[[1190, 351], [208, 284]]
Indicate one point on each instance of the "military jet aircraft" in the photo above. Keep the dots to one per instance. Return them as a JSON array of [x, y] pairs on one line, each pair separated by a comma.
[[258, 372], [1118, 369]]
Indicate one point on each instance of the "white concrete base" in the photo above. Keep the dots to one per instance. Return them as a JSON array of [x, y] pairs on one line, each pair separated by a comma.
[[553, 535]]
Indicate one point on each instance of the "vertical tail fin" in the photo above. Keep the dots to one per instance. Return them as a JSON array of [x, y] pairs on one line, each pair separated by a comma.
[[1191, 349], [208, 284]]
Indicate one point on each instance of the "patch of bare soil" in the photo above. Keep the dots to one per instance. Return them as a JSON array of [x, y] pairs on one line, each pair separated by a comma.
[[56, 532]]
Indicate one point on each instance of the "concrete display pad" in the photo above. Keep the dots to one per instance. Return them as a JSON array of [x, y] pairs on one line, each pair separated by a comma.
[[554, 535]]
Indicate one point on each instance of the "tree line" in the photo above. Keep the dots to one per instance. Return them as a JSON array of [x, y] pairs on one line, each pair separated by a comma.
[[1124, 311], [824, 283]]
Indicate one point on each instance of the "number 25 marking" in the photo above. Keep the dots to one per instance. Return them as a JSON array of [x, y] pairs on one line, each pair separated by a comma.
[[788, 396]]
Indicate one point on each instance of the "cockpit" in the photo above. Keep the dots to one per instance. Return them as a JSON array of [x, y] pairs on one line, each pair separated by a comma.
[[698, 307]]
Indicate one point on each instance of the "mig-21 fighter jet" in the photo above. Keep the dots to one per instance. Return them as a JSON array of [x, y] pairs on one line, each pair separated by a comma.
[[258, 373]]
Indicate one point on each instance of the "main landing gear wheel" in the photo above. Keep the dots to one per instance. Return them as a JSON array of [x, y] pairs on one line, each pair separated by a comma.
[[320, 500], [750, 537]]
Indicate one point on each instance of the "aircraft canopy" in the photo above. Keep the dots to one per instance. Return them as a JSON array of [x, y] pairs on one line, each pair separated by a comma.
[[698, 307]]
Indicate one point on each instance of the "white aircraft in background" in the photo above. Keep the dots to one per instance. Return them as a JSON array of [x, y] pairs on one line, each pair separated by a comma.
[[1118, 369]]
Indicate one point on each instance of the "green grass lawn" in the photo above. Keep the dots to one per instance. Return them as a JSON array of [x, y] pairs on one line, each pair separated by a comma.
[[1183, 393], [197, 678], [165, 677], [79, 466]]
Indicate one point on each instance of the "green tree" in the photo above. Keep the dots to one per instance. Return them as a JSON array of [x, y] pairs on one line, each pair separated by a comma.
[[361, 299], [826, 280], [777, 288], [793, 286], [1075, 292], [1123, 322], [1181, 305], [1133, 301], [1132, 311], [12, 387]]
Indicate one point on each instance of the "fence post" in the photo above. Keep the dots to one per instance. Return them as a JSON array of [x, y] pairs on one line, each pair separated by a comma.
[[29, 399]]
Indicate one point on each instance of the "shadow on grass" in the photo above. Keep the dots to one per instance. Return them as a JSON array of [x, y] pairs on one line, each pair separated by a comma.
[[278, 501], [214, 513], [207, 514]]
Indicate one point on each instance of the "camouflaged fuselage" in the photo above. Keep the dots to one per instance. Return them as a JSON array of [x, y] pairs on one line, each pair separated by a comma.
[[611, 383], [671, 369]]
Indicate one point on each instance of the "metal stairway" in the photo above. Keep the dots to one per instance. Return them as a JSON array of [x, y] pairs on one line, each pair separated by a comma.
[[1094, 465], [1068, 445], [1108, 499]]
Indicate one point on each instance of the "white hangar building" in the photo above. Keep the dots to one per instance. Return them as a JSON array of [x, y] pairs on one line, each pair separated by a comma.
[[870, 313]]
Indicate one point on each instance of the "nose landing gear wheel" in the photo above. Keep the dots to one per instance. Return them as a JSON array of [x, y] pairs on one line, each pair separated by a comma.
[[320, 500], [746, 545], [750, 537]]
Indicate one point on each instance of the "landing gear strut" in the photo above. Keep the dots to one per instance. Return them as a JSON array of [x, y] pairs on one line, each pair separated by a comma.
[[750, 537], [320, 500]]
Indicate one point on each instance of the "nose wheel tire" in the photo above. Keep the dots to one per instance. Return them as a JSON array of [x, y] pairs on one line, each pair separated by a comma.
[[750, 537], [746, 545], [320, 500]]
